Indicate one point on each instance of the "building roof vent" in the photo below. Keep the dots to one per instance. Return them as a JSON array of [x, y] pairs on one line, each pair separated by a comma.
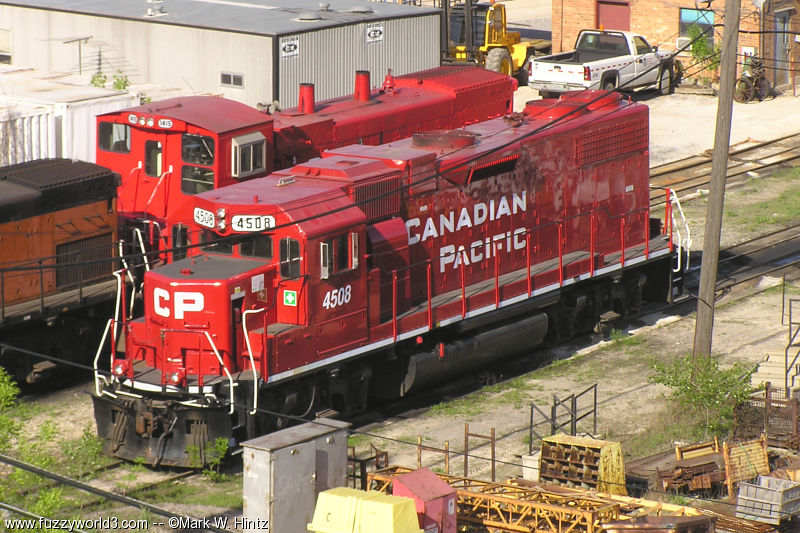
[[324, 6], [361, 9], [309, 16]]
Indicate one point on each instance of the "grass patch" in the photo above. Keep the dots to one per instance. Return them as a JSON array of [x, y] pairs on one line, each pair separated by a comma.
[[358, 441], [761, 215], [226, 494], [670, 425]]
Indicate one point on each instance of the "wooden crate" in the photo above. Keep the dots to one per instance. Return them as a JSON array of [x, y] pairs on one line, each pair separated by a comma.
[[583, 462]]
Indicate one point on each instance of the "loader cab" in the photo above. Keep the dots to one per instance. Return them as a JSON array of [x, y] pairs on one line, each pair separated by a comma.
[[458, 26]]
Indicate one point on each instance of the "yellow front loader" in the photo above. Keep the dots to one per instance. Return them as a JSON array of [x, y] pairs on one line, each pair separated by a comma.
[[489, 44]]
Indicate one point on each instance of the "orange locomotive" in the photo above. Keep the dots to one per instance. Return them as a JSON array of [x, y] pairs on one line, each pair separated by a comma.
[[58, 238], [376, 270]]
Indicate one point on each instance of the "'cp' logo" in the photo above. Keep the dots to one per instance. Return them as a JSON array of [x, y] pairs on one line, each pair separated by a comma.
[[184, 301]]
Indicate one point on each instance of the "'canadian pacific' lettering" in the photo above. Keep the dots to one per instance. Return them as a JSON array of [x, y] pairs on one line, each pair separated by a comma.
[[471, 217]]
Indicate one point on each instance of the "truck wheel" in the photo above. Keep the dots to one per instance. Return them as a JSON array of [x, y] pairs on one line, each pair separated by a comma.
[[522, 75], [665, 86], [499, 60], [609, 85]]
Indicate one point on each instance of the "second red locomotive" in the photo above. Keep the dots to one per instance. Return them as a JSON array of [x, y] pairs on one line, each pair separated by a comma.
[[170, 150], [376, 270]]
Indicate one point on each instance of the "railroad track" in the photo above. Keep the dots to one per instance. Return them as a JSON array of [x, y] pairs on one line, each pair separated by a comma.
[[747, 159]]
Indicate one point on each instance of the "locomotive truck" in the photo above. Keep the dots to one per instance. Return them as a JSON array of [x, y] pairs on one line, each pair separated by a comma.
[[380, 270]]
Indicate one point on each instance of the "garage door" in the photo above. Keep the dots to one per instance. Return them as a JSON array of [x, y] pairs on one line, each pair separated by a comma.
[[614, 15]]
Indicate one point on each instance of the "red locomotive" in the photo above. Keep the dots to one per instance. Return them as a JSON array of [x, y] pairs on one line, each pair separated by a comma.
[[58, 222], [375, 270], [168, 151]]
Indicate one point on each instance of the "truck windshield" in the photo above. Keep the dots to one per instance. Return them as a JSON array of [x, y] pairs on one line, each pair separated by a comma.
[[457, 35], [600, 42]]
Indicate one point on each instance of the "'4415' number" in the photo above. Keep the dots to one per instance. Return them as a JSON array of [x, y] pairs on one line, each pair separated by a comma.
[[337, 297]]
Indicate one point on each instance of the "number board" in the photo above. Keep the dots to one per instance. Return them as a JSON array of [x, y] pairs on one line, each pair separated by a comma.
[[204, 218], [245, 223]]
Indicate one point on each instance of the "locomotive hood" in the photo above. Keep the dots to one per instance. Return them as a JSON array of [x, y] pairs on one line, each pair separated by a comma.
[[274, 202]]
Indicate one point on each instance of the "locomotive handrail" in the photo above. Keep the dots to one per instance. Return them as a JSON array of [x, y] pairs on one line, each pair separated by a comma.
[[97, 375], [137, 233], [250, 353], [161, 180], [225, 368], [683, 244]]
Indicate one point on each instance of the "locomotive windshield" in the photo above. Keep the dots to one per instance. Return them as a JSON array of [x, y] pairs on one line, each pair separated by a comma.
[[197, 150], [257, 246]]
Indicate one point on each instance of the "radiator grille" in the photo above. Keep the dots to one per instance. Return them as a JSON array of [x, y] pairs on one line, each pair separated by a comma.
[[378, 198], [82, 261], [608, 143]]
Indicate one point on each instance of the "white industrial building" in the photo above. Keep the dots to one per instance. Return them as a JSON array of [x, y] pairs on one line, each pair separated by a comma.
[[253, 51], [45, 115]]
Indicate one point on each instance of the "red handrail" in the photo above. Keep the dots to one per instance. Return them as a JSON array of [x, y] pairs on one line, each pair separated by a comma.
[[463, 293], [528, 262], [496, 275], [560, 254], [394, 304], [592, 230], [430, 298], [622, 241]]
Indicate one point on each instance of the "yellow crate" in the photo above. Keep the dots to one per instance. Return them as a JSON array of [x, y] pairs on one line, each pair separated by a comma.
[[583, 462], [346, 510]]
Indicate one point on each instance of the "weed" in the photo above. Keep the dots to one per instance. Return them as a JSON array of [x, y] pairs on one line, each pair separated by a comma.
[[48, 431], [98, 79], [358, 440], [8, 391], [84, 453]]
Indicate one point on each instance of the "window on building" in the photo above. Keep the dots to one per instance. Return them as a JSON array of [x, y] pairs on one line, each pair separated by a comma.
[[5, 46], [249, 153], [703, 19], [290, 258], [231, 79], [152, 158], [195, 180], [114, 137], [197, 149]]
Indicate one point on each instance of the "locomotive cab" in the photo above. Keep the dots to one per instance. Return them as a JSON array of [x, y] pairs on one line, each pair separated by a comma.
[[174, 149]]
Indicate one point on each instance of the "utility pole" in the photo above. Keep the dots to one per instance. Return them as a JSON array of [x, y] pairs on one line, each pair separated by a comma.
[[716, 198]]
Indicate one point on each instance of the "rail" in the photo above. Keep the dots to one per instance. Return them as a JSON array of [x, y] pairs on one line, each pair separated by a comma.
[[250, 355]]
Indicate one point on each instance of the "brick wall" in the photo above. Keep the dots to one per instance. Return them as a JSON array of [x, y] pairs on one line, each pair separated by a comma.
[[656, 20]]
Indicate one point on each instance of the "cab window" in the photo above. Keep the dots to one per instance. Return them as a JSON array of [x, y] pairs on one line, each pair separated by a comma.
[[211, 242], [152, 158], [256, 246], [180, 240], [249, 153], [338, 254], [290, 258], [641, 46], [195, 180], [114, 137], [198, 149]]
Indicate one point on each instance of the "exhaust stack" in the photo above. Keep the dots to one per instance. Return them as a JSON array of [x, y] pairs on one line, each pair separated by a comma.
[[305, 101], [362, 89]]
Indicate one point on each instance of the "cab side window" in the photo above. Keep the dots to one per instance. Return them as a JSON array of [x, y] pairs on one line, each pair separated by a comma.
[[290, 258], [338, 254]]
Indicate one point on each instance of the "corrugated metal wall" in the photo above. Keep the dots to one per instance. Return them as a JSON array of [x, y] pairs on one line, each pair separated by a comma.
[[182, 57], [24, 137], [330, 57], [145, 52]]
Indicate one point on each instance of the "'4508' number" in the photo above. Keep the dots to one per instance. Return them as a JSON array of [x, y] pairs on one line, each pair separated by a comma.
[[337, 297]]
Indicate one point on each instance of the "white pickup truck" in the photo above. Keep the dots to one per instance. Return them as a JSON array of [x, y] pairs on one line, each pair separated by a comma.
[[603, 60]]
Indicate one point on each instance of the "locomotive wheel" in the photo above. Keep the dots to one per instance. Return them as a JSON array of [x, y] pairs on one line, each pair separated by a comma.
[[499, 60]]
